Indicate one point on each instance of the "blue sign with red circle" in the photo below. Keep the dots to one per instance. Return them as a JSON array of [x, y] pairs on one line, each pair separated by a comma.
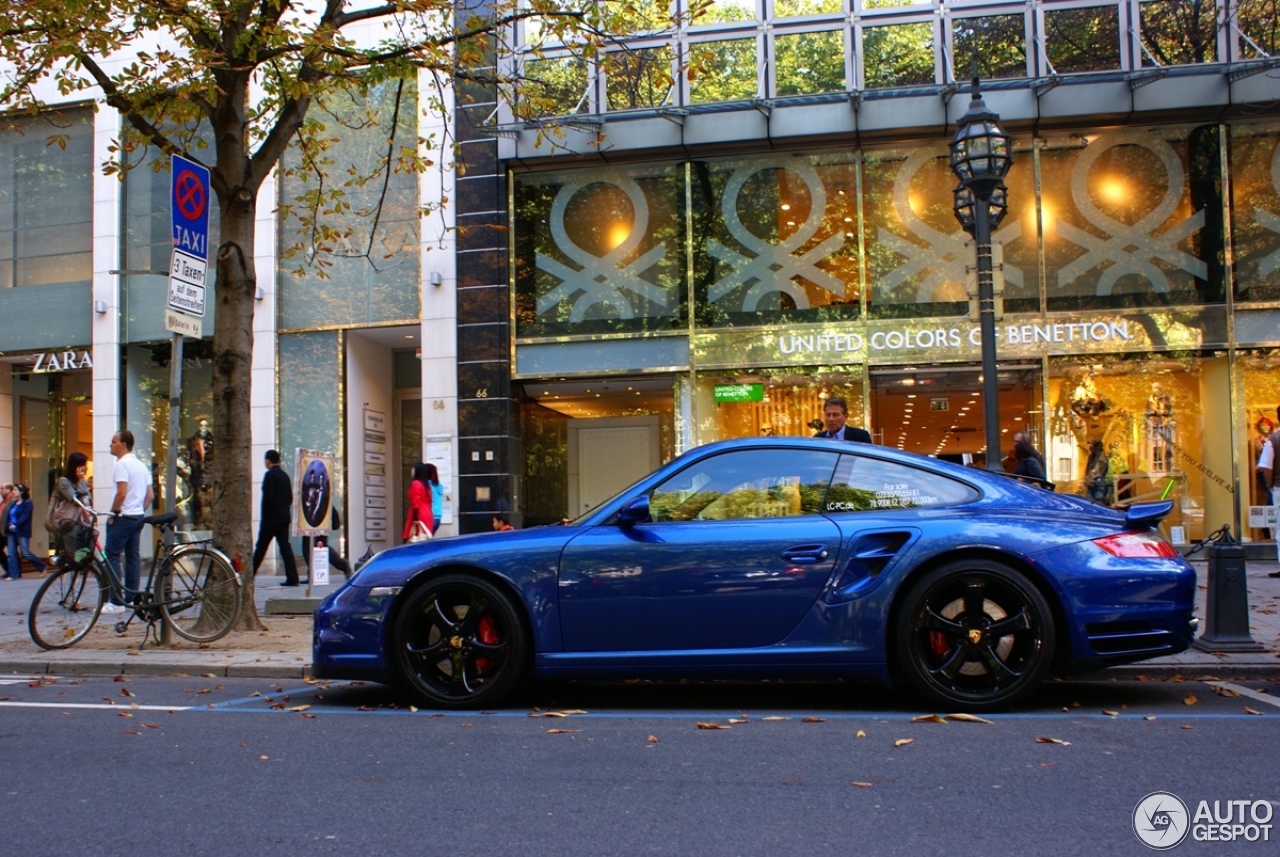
[[189, 203]]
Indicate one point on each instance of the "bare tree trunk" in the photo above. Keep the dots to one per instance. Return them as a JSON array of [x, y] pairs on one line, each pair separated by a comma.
[[232, 361]]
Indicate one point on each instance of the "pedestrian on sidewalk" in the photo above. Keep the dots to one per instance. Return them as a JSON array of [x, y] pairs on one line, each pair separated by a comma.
[[128, 506], [19, 530], [1267, 475], [418, 520], [277, 511], [8, 496]]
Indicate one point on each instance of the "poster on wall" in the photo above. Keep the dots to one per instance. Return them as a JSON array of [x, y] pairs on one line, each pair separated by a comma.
[[314, 501], [440, 453], [374, 461]]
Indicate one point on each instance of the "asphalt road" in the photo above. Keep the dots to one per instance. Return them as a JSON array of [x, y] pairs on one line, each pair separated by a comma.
[[205, 766]]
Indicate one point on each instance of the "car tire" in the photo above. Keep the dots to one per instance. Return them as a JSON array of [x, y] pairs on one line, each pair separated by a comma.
[[459, 643], [974, 635]]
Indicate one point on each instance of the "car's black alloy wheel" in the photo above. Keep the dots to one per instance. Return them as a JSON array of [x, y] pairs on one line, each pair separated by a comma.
[[459, 642], [974, 635]]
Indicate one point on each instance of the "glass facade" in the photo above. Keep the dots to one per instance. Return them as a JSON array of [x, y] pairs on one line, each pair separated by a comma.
[[737, 50], [353, 258], [797, 277], [46, 162]]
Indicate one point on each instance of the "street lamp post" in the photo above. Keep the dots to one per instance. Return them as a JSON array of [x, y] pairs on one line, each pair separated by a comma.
[[981, 154]]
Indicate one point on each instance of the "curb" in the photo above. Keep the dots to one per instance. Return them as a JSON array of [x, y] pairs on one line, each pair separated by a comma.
[[154, 669]]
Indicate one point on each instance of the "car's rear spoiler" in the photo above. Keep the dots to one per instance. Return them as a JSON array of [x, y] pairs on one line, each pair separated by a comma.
[[1140, 516]]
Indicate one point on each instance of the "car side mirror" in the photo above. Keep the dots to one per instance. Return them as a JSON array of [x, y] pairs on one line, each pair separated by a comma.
[[635, 512]]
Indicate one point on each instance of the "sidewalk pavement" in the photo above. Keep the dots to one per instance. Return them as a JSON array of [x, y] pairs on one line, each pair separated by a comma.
[[284, 651]]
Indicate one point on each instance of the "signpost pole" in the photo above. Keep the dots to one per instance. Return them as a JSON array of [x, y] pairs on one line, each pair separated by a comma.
[[188, 267]]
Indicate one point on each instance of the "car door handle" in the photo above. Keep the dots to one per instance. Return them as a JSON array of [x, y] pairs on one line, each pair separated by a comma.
[[806, 553]]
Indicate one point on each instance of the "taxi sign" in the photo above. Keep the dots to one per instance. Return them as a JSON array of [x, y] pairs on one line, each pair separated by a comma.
[[189, 206]]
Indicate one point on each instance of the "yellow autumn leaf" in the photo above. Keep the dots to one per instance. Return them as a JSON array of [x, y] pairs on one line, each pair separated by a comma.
[[928, 718], [652, 739], [861, 734], [970, 718], [902, 742]]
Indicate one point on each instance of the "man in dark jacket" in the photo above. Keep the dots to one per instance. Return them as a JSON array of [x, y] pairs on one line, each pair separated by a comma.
[[277, 507], [835, 413]]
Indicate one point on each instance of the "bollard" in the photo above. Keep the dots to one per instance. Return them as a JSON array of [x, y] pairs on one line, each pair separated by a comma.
[[1226, 626]]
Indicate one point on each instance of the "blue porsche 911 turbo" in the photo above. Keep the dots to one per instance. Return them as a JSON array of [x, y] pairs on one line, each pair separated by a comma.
[[776, 558]]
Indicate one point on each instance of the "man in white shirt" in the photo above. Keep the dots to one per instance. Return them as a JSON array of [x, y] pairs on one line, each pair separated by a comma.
[[128, 507], [1266, 474]]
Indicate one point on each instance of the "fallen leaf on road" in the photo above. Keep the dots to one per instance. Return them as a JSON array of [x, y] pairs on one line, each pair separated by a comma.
[[1223, 691], [773, 718], [738, 720], [1248, 710], [813, 720], [860, 784], [861, 734], [1053, 741], [132, 732], [969, 718], [929, 718], [1110, 713], [1189, 699], [561, 731], [262, 758], [124, 713], [711, 726], [902, 742], [652, 739]]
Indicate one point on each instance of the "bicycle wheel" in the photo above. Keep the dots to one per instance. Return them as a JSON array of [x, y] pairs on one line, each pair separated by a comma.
[[66, 607], [198, 594]]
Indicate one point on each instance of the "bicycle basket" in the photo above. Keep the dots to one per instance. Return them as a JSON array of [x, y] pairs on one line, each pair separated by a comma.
[[77, 538]]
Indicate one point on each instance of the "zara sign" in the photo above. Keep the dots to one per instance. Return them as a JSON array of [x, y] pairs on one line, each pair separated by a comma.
[[63, 361]]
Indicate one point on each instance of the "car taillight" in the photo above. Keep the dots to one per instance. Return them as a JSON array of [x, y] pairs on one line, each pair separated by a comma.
[[1136, 545]]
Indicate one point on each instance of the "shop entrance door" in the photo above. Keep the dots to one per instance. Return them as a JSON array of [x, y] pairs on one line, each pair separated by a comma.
[[937, 410], [606, 455]]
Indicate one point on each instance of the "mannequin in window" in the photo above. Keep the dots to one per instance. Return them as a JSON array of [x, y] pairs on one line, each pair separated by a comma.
[[199, 460], [1160, 428]]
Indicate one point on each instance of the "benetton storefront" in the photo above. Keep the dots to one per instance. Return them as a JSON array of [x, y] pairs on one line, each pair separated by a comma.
[[661, 306]]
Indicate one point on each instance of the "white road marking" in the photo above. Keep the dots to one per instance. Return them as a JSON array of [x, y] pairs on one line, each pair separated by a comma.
[[1252, 694], [130, 707]]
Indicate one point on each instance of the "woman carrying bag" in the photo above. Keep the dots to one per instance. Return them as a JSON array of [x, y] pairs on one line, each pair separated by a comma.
[[418, 521], [18, 529]]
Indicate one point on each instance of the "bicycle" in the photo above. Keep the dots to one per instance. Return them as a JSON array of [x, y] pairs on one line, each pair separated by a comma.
[[191, 588]]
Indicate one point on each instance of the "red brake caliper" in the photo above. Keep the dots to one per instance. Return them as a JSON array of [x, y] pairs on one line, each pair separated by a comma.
[[487, 631], [938, 644]]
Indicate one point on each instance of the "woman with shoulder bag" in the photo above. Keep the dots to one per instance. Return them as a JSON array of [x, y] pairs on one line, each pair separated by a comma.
[[64, 521], [417, 519], [18, 528]]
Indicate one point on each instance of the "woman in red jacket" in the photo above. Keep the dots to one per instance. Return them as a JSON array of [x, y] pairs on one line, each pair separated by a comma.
[[419, 508]]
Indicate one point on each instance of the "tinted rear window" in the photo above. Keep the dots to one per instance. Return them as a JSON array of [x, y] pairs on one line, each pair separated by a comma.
[[868, 484]]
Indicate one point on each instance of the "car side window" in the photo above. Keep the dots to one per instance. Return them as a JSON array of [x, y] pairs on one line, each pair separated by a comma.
[[745, 485], [869, 484]]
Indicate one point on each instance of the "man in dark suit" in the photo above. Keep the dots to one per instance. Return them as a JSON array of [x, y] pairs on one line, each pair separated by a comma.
[[836, 414], [277, 509]]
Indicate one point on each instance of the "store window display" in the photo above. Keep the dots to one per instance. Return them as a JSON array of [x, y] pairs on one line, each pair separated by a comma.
[[1119, 437]]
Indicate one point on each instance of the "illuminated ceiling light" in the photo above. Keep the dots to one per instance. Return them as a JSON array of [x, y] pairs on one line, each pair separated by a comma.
[[908, 382], [786, 206]]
